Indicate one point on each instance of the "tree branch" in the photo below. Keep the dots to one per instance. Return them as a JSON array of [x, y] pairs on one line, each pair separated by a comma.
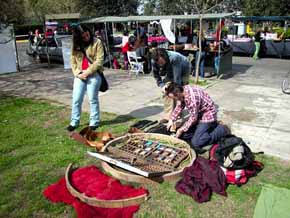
[[213, 7]]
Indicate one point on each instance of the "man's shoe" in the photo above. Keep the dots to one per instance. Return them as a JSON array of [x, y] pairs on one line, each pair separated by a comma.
[[93, 127], [199, 150], [71, 128]]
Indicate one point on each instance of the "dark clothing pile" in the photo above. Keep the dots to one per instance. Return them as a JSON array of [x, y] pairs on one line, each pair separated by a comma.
[[149, 127], [201, 179]]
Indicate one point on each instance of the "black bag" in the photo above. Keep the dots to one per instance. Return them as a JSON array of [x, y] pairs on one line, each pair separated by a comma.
[[226, 146], [104, 83]]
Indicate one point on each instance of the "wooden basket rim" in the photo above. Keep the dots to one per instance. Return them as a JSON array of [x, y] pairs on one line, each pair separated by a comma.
[[130, 177], [92, 201]]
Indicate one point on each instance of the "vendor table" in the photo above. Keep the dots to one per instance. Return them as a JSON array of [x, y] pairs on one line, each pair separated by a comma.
[[273, 47], [226, 60]]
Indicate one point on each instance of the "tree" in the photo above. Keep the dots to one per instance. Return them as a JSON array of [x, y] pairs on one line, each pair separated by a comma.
[[12, 11], [265, 7], [201, 7], [98, 8], [42, 7], [167, 7], [150, 7]]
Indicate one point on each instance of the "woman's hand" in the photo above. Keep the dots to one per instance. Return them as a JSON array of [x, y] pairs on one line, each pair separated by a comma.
[[179, 133], [83, 76], [169, 125]]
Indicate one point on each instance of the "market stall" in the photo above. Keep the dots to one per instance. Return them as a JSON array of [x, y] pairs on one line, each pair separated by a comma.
[[276, 40], [166, 21]]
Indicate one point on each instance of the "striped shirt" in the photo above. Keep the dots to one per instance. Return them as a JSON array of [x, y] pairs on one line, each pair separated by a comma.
[[199, 105]]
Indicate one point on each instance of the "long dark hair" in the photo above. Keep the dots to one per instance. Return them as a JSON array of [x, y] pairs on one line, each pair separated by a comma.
[[78, 43], [173, 88], [160, 52]]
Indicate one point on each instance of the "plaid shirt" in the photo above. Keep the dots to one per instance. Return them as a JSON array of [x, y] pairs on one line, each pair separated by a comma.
[[199, 105]]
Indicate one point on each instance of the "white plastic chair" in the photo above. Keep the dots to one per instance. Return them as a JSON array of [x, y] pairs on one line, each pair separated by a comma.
[[135, 65]]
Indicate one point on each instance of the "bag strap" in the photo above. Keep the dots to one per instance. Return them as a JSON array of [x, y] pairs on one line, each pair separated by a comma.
[[85, 55]]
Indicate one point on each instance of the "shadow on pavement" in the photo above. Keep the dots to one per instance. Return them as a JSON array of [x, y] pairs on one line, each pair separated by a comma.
[[146, 111], [117, 120], [237, 69], [140, 113]]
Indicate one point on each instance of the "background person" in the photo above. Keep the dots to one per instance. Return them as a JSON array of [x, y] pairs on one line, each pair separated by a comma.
[[125, 48], [169, 66], [204, 48], [257, 44], [86, 61]]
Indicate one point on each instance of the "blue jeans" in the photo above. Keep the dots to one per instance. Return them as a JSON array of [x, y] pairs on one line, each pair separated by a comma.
[[217, 64], [92, 86], [201, 64], [181, 73], [204, 134]]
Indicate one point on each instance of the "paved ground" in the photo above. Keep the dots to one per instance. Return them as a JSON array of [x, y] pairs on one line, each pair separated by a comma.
[[249, 99]]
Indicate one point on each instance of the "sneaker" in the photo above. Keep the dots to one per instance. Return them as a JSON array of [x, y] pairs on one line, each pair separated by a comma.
[[199, 150], [93, 127], [71, 128]]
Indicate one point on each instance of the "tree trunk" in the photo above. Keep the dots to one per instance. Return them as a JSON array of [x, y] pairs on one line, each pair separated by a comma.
[[199, 49]]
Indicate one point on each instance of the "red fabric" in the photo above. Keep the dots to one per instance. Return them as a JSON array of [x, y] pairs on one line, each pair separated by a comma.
[[201, 179], [85, 63], [218, 31], [116, 64], [158, 39], [126, 48], [91, 181]]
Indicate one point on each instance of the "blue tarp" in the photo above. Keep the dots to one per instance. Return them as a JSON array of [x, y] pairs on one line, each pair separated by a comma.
[[261, 18]]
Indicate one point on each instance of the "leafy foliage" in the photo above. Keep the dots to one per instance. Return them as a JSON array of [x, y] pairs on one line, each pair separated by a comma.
[[12, 11], [265, 7], [19, 11], [97, 8]]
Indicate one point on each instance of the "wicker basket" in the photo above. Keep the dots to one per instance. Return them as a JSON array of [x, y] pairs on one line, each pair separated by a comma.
[[121, 174]]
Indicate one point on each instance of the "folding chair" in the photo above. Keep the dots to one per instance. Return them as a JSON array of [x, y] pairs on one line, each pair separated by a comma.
[[135, 65]]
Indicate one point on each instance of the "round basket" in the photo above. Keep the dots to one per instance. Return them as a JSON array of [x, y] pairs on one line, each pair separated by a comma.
[[92, 201], [121, 174]]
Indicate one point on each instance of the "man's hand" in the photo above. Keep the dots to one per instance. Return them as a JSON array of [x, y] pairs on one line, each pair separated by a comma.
[[169, 125], [163, 89], [179, 133]]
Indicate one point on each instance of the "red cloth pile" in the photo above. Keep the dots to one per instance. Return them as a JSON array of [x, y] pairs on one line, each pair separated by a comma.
[[201, 179], [91, 181]]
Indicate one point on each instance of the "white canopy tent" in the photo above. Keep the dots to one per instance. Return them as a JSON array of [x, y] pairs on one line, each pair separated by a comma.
[[140, 19]]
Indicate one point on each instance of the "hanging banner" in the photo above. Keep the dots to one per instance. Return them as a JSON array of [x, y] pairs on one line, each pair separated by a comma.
[[7, 50], [166, 27], [66, 51]]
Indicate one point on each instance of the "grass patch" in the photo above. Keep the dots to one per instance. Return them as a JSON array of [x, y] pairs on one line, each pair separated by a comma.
[[203, 82], [35, 150]]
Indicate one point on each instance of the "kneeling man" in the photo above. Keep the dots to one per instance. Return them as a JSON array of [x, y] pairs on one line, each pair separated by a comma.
[[202, 123]]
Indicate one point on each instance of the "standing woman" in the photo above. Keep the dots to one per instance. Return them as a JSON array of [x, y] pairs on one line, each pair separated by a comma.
[[86, 62], [204, 48]]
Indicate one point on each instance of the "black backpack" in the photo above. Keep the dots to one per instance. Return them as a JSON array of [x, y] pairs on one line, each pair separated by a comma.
[[226, 146]]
